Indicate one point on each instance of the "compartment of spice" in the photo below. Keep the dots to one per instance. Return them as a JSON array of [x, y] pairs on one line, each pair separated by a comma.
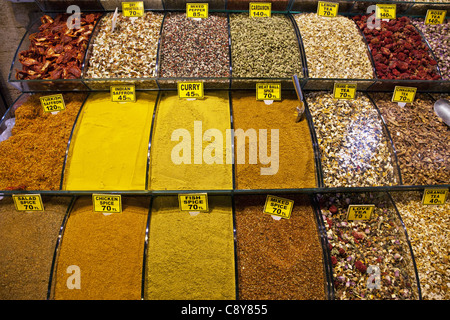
[[50, 55], [62, 5], [111, 5], [279, 259], [190, 255], [279, 152], [32, 154], [335, 49], [371, 257], [264, 49], [428, 228], [124, 51], [194, 49], [420, 139], [355, 148], [28, 244], [276, 5], [100, 256]]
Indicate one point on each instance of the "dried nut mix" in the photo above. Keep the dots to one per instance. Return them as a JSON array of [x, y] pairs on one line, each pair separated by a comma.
[[370, 259], [264, 47], [129, 51], [398, 50], [56, 51], [354, 146], [428, 228], [420, 139], [334, 47]]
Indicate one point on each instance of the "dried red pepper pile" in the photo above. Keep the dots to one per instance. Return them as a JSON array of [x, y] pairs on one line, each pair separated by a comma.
[[56, 51], [398, 50]]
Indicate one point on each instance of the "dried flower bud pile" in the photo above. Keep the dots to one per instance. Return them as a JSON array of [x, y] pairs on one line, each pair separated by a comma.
[[428, 228], [398, 50], [334, 47], [355, 150], [356, 247], [420, 138]]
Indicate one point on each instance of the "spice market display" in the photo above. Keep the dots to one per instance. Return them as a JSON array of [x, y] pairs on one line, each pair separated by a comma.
[[115, 186]]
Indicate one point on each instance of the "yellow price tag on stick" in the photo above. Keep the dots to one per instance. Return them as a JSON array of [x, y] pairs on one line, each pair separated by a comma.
[[123, 93], [434, 196], [107, 203], [268, 91], [197, 10], [435, 16], [53, 103], [386, 11], [345, 91], [28, 202], [277, 206], [193, 202], [404, 94], [360, 211], [260, 9], [133, 9], [327, 9], [190, 90]]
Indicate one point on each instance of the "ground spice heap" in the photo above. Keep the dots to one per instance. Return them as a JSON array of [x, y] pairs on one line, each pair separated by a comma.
[[264, 47], [190, 257], [294, 152], [420, 139], [33, 157], [194, 48], [28, 244], [356, 247], [428, 228], [278, 259], [398, 50], [108, 249], [354, 147], [334, 47]]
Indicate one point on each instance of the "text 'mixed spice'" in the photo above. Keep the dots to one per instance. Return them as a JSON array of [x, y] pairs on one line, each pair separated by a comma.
[[53, 103], [346, 91], [386, 11], [133, 9], [404, 94], [197, 10], [277, 206], [107, 203], [435, 16], [29, 202], [197, 202], [327, 9], [434, 196], [268, 91], [123, 93], [360, 212], [190, 90], [260, 9]]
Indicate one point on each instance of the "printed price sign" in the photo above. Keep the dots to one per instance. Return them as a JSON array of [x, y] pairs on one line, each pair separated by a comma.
[[277, 206], [190, 90], [404, 94], [386, 11], [193, 202], [327, 9], [53, 103], [346, 91], [107, 203], [260, 9], [28, 202], [435, 16], [360, 211], [197, 10], [434, 196], [268, 91], [123, 93], [133, 9]]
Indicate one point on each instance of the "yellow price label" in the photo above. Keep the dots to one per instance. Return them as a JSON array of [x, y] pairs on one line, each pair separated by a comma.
[[28, 202], [197, 10], [277, 206], [107, 203], [327, 9], [53, 103], [260, 9], [123, 93], [434, 196], [133, 9], [268, 91], [404, 94], [193, 202], [360, 211], [345, 91], [386, 11], [435, 16], [190, 90]]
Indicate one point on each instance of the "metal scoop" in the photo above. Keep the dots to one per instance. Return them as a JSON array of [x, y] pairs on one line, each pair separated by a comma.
[[442, 109], [301, 108]]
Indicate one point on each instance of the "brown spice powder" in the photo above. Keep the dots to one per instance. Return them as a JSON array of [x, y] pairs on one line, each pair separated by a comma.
[[278, 260]]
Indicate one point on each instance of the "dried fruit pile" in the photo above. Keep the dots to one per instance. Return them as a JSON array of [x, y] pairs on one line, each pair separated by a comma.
[[398, 50], [56, 51]]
